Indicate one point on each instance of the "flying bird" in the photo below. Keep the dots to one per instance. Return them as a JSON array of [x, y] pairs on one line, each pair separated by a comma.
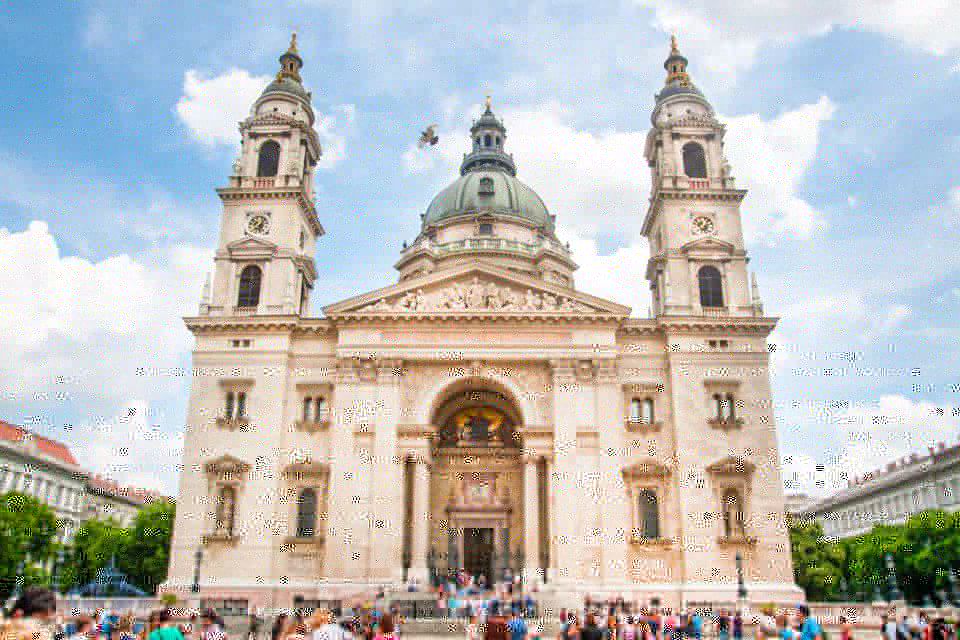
[[428, 137]]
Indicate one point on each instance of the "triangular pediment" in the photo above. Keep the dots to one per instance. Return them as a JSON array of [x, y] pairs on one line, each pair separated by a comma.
[[708, 245], [251, 247], [476, 290]]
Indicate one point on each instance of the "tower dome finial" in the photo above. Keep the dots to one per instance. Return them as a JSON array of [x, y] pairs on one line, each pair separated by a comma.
[[489, 103]]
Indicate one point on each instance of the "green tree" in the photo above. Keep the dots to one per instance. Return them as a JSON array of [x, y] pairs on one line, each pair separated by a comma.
[[148, 554], [28, 530], [95, 544], [817, 562]]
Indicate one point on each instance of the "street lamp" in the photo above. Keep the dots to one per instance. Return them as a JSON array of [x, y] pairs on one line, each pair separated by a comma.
[[198, 558], [57, 568], [893, 591], [741, 586]]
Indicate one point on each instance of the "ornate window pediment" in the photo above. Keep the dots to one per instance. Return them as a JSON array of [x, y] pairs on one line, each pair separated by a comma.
[[226, 465], [646, 469], [732, 465]]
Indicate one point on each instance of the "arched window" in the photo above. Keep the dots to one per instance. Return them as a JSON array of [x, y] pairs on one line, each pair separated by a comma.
[[487, 141], [694, 161], [226, 506], [711, 287], [724, 407], [732, 513], [636, 410], [269, 161], [249, 293], [648, 512], [321, 408], [307, 513]]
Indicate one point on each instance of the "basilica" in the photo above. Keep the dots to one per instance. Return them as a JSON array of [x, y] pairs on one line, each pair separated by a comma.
[[481, 412]]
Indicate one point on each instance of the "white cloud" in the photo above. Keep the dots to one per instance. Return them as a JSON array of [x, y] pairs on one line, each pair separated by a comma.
[[893, 427], [94, 323], [92, 335], [728, 35], [212, 107], [771, 159], [848, 315]]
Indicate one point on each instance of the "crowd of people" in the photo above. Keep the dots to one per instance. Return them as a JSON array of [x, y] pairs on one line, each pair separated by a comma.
[[492, 612]]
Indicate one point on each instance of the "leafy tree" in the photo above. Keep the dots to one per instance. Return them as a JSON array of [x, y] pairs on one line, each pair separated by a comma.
[[148, 554], [28, 530], [817, 563], [95, 544]]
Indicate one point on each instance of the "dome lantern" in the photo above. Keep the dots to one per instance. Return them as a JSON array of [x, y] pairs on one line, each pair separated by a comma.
[[488, 136]]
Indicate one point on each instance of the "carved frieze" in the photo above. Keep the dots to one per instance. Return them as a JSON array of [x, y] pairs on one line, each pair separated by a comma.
[[477, 295]]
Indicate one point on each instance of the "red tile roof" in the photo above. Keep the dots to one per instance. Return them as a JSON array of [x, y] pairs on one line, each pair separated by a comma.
[[51, 448]]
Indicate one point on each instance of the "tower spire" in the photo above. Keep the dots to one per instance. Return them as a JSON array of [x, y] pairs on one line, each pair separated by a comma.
[[290, 61], [676, 65]]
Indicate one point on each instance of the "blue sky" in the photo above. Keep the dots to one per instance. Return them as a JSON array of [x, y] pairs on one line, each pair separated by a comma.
[[120, 120]]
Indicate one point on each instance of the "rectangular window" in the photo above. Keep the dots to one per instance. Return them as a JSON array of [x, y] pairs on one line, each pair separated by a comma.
[[648, 514]]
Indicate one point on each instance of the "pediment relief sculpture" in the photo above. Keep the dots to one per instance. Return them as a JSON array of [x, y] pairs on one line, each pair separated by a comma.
[[477, 295]]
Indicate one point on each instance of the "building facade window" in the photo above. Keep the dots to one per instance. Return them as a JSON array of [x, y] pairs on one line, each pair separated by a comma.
[[694, 160], [733, 515], [235, 405], [711, 287], [249, 292], [268, 162], [486, 187], [724, 407], [307, 513], [314, 409], [641, 410], [226, 510], [485, 229], [648, 512]]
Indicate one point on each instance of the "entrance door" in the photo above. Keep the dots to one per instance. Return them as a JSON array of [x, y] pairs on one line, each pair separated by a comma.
[[478, 552]]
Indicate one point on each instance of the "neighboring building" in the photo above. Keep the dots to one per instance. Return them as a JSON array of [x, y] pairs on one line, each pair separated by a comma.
[[892, 494], [107, 500], [481, 413], [795, 503], [47, 470]]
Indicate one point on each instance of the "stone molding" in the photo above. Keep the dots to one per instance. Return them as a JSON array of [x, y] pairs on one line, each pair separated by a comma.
[[732, 465]]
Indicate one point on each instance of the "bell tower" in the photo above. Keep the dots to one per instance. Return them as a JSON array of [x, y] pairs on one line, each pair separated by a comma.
[[269, 227], [698, 262]]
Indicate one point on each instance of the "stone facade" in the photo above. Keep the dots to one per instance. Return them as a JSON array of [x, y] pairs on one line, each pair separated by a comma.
[[481, 412], [891, 495]]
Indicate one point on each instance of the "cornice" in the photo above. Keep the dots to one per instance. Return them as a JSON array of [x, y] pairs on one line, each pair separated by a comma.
[[199, 325], [468, 317], [695, 325]]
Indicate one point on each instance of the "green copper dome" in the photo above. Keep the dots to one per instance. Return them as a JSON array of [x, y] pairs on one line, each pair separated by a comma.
[[488, 181], [488, 190]]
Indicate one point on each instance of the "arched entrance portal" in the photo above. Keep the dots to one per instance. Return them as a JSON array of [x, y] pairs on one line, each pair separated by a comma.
[[476, 485]]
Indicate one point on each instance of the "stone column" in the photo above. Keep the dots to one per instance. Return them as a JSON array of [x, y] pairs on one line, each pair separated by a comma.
[[386, 479], [531, 521], [566, 512], [420, 525]]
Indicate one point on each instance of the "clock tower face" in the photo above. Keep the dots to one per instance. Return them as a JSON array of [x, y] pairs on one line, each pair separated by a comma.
[[702, 225], [258, 225]]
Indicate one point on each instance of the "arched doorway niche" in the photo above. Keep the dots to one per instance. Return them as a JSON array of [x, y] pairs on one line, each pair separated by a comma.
[[476, 484]]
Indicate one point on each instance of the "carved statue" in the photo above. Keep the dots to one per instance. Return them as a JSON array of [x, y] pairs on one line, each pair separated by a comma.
[[477, 296]]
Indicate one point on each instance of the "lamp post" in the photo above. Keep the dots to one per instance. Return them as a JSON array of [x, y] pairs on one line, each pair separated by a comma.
[[198, 558], [57, 568], [741, 586], [893, 591]]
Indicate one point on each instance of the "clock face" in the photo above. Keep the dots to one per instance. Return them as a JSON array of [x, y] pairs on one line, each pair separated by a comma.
[[702, 224], [259, 225]]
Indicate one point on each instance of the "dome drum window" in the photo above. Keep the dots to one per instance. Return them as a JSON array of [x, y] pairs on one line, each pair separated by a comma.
[[486, 186]]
